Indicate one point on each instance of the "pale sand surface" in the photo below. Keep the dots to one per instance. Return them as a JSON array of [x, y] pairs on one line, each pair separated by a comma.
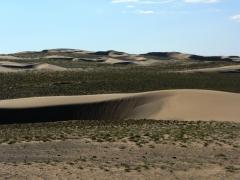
[[8, 57], [117, 61], [187, 105], [223, 69], [132, 60], [8, 66], [57, 57], [179, 56]]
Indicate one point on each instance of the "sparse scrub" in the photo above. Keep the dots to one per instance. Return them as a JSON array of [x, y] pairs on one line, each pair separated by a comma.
[[17, 85], [138, 131]]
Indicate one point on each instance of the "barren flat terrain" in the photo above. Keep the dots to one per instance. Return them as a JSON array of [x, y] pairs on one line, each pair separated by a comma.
[[120, 150]]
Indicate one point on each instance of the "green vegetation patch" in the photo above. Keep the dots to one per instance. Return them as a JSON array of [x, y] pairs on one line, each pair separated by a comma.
[[17, 85]]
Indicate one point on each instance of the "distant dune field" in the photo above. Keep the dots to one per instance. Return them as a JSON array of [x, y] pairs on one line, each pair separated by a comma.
[[109, 57], [184, 105]]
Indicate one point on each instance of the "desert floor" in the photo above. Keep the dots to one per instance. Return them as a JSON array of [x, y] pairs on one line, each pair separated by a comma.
[[133, 149]]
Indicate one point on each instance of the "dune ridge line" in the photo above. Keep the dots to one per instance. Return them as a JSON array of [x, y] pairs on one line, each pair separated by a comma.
[[187, 105]]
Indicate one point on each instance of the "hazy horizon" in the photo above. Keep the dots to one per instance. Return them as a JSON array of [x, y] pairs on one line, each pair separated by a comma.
[[203, 27], [38, 50]]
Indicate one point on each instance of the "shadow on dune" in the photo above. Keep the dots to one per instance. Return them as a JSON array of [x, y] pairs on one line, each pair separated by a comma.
[[188, 105], [107, 110], [28, 66]]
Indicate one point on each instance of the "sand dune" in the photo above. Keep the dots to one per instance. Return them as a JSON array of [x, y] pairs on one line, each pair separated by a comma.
[[159, 105], [66, 54], [8, 57], [118, 61], [223, 69], [58, 57], [170, 55], [7, 66]]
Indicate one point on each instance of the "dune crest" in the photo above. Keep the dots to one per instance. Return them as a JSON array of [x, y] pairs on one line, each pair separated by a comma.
[[7, 66], [187, 105]]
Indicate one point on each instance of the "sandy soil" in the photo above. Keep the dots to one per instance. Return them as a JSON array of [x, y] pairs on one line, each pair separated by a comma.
[[118, 61], [84, 159], [185, 105], [58, 57], [131, 61]]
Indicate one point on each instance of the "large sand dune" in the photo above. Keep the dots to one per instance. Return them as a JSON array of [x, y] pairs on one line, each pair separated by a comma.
[[160, 105]]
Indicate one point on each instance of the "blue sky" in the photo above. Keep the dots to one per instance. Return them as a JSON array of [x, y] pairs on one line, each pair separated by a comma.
[[207, 27]]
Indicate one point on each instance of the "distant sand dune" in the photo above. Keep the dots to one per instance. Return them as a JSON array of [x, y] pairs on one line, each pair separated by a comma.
[[223, 69], [8, 57], [7, 66], [159, 105], [118, 61]]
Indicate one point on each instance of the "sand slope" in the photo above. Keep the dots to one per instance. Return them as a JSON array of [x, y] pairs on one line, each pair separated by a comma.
[[160, 105], [8, 57], [7, 66], [223, 69]]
